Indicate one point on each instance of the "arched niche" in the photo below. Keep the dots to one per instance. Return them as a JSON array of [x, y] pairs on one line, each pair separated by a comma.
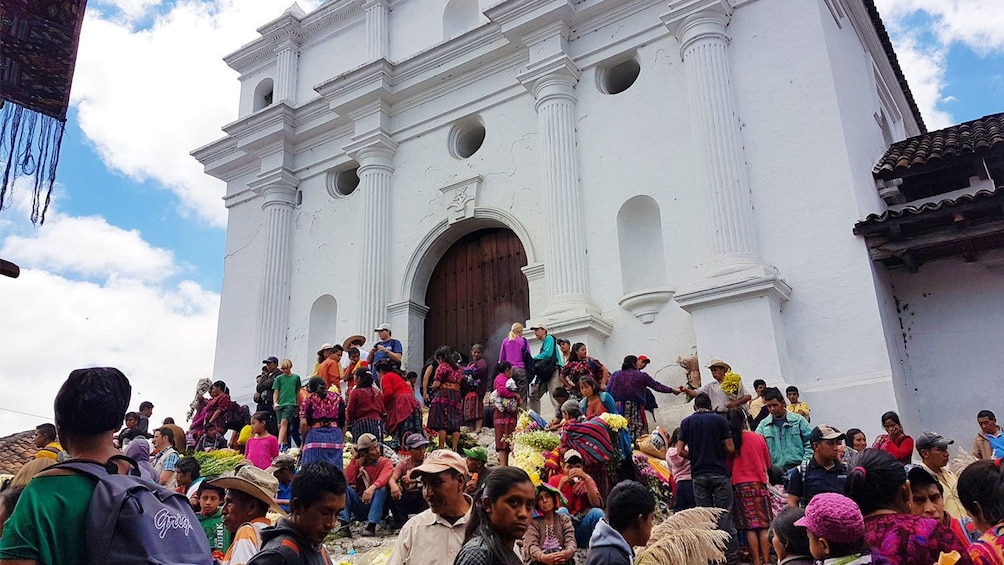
[[460, 16], [323, 321], [262, 95], [643, 258]]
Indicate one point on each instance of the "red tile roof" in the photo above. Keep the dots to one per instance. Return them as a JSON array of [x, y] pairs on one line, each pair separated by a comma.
[[965, 140], [16, 450]]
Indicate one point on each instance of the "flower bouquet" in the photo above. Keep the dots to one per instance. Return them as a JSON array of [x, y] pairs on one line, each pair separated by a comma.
[[731, 384]]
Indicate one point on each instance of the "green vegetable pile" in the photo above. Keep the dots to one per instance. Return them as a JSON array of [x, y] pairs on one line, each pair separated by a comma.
[[215, 463], [539, 440]]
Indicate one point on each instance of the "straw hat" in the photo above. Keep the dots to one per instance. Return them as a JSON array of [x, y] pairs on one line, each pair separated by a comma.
[[253, 482], [353, 341], [719, 363], [324, 347]]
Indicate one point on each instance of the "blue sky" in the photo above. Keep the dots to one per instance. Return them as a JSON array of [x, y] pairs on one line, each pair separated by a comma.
[[130, 261]]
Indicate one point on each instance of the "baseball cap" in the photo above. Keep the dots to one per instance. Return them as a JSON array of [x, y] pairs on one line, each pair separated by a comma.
[[643, 359], [438, 461], [415, 441], [571, 454], [539, 327], [562, 340], [834, 517], [477, 453], [366, 441], [383, 326], [272, 359], [930, 440], [824, 431], [282, 462]]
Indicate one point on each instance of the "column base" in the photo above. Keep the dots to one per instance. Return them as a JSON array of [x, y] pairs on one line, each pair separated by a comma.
[[737, 318]]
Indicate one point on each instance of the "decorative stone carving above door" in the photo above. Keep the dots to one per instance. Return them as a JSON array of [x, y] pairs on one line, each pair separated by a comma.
[[460, 199]]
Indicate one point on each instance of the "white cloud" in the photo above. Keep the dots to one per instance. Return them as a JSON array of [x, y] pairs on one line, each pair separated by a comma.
[[147, 97], [924, 67], [977, 24], [91, 247], [162, 335]]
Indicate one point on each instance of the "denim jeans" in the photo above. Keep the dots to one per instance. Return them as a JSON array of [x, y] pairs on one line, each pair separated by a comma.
[[372, 512], [584, 529], [716, 491]]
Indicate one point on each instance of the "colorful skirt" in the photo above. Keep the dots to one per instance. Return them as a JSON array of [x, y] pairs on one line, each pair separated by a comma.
[[635, 414], [445, 413], [505, 425], [473, 408], [323, 444], [368, 426], [751, 507], [410, 425]]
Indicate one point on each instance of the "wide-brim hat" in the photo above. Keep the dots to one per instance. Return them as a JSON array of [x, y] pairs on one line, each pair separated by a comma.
[[719, 363], [353, 341], [253, 482], [324, 347]]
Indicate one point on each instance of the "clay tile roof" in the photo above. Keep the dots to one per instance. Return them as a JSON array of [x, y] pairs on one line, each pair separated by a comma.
[[890, 53], [931, 207], [16, 450], [963, 140]]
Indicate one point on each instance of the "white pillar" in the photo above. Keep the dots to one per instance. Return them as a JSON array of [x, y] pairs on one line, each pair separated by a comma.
[[287, 59], [711, 98], [376, 166], [273, 321], [553, 87], [377, 33]]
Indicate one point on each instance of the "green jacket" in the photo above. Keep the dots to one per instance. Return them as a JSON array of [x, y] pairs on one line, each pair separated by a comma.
[[791, 447]]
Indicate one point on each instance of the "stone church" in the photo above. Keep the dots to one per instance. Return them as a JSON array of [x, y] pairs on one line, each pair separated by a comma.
[[645, 176]]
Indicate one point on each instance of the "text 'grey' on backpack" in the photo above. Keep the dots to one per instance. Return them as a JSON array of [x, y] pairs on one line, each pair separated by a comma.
[[131, 520]]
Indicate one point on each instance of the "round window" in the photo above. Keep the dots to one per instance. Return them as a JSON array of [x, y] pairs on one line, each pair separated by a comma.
[[466, 138], [618, 77]]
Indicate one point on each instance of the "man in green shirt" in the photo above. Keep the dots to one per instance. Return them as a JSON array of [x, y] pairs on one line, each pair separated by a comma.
[[49, 523]]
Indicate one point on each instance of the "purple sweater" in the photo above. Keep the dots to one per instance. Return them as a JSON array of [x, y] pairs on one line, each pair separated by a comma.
[[512, 351], [630, 384]]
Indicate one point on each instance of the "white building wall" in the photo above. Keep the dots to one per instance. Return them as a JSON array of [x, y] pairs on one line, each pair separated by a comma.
[[952, 316]]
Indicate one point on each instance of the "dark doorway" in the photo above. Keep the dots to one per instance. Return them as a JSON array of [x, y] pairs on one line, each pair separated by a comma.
[[476, 293]]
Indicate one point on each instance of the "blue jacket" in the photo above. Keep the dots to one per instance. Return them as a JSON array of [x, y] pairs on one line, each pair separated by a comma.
[[791, 447], [608, 547]]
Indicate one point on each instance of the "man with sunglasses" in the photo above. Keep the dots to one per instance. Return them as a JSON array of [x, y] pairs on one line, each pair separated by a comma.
[[823, 472]]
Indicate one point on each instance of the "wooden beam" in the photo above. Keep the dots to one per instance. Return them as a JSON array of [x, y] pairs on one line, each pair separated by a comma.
[[952, 234]]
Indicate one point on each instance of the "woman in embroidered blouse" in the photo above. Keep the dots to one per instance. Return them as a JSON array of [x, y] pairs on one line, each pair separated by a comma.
[[629, 387], [579, 365], [878, 485], [594, 401], [894, 441], [445, 412]]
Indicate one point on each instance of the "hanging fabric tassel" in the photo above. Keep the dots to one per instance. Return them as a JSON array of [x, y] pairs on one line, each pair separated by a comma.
[[39, 39]]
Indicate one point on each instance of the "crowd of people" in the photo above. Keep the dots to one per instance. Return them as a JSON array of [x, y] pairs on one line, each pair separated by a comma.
[[798, 493]]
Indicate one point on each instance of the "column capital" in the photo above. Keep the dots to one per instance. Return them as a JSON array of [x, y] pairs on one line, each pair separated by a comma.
[[373, 151], [690, 20], [555, 77], [277, 187]]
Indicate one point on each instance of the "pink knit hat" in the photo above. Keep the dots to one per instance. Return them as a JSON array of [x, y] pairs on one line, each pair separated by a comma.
[[833, 517]]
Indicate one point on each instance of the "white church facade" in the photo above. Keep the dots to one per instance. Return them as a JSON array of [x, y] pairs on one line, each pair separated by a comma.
[[647, 177]]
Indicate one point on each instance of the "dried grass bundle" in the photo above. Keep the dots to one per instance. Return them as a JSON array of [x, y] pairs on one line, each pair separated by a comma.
[[686, 538]]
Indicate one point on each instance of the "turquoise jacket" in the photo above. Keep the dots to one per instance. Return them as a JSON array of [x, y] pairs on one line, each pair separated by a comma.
[[791, 447]]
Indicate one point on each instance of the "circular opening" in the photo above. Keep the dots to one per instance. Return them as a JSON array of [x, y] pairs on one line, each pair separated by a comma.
[[467, 138], [619, 77], [346, 181]]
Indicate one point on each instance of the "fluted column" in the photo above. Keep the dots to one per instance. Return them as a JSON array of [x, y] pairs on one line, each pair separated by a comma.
[[376, 167], [716, 132], [287, 60], [377, 33], [273, 322], [553, 87]]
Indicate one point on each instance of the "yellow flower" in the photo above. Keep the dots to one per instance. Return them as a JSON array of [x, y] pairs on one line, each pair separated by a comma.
[[731, 383], [615, 422]]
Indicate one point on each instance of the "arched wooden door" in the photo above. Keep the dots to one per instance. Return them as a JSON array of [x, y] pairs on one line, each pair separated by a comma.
[[476, 293]]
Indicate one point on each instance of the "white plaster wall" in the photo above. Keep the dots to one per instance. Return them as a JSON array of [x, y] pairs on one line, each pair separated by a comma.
[[330, 56], [952, 313]]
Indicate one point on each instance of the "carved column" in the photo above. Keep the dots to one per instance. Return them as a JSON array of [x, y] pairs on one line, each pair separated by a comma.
[[553, 87], [287, 60], [711, 99], [376, 167], [279, 194], [377, 33]]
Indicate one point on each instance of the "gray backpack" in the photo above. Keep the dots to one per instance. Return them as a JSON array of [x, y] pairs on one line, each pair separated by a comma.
[[131, 520]]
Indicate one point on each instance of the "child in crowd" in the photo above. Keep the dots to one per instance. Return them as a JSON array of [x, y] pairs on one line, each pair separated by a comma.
[[212, 440], [628, 524], [262, 447], [506, 401], [211, 519], [285, 389], [981, 490], [791, 542], [683, 497], [836, 530], [550, 538]]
